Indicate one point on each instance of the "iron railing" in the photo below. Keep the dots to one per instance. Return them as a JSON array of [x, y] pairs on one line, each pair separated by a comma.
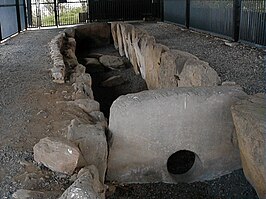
[[43, 13]]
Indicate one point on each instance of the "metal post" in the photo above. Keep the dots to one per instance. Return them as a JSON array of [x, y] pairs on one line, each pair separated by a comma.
[[56, 13], [18, 15], [162, 9], [1, 38], [236, 18], [187, 13], [25, 14]]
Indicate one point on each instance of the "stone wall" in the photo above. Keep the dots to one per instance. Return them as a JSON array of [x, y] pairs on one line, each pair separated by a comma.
[[157, 64], [85, 143]]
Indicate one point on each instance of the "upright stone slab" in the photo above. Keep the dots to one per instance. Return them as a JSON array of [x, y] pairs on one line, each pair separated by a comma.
[[250, 121], [152, 128]]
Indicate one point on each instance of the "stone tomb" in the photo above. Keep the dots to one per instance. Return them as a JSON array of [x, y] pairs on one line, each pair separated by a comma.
[[154, 132]]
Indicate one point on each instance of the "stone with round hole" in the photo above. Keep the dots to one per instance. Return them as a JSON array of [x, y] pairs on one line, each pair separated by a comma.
[[173, 135]]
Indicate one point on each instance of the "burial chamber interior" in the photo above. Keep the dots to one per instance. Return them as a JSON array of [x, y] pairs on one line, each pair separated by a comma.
[[146, 143]]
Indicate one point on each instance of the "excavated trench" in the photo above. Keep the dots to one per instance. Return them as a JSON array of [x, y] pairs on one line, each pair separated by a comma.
[[106, 95], [178, 163]]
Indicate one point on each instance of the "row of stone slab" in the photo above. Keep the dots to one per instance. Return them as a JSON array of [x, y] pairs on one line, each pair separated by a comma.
[[84, 146], [157, 64]]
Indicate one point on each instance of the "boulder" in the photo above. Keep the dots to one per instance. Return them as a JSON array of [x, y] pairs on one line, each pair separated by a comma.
[[93, 65], [98, 117], [197, 73], [111, 61], [151, 131], [183, 69], [92, 142], [87, 186], [113, 81], [87, 105], [58, 154], [249, 118]]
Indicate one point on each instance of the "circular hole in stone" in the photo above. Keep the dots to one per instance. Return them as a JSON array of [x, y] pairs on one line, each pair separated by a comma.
[[180, 162]]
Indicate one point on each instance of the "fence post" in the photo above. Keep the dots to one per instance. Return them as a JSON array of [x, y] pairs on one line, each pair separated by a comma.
[[162, 9], [236, 18], [1, 38], [25, 14], [187, 13], [18, 15], [55, 12]]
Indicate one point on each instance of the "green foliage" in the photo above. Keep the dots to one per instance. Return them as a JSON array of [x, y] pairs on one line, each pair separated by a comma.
[[66, 16]]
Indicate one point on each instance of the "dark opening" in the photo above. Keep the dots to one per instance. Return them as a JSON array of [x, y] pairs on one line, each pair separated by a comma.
[[180, 162], [107, 95]]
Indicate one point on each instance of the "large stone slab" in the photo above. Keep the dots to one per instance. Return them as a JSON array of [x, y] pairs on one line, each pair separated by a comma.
[[148, 128], [250, 121], [87, 186], [92, 142], [58, 154]]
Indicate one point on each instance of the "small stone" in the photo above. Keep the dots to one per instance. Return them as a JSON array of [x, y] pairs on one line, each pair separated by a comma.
[[111, 61], [228, 83], [231, 44], [113, 81]]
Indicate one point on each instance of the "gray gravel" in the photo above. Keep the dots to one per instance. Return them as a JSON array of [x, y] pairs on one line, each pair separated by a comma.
[[242, 64], [24, 62]]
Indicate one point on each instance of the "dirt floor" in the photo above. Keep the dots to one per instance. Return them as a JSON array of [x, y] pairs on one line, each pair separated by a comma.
[[27, 112]]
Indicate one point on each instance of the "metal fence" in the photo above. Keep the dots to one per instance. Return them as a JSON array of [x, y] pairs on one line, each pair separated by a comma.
[[235, 19], [12, 17], [253, 21], [212, 16], [175, 11], [109, 10], [43, 13]]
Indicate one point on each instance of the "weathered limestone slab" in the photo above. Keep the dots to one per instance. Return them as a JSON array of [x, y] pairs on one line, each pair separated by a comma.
[[250, 121], [114, 34], [120, 40], [153, 65], [148, 127], [92, 142], [58, 154], [87, 186]]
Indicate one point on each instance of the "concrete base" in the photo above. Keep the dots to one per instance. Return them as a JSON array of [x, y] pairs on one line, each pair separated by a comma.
[[149, 127]]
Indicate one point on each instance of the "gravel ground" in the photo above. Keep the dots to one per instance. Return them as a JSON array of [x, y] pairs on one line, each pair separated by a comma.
[[241, 64], [24, 61], [24, 77]]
